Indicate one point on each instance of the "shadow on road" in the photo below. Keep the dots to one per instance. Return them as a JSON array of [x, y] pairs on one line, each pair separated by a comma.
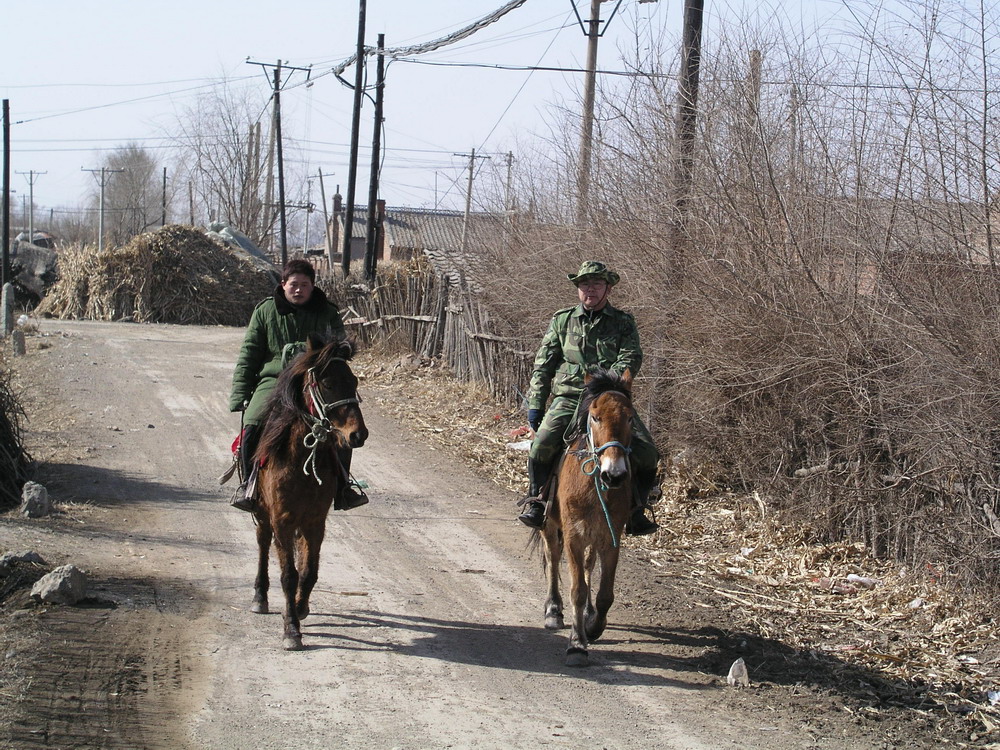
[[623, 656]]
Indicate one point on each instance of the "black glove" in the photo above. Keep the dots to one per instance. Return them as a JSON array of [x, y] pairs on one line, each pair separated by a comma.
[[535, 418]]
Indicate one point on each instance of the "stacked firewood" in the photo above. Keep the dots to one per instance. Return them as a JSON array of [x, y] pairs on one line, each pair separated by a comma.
[[176, 274]]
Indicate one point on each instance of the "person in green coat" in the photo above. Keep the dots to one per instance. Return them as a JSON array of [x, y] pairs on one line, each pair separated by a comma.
[[586, 336], [277, 332]]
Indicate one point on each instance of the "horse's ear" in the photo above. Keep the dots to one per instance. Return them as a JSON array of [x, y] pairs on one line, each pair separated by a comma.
[[587, 377], [627, 379], [346, 348], [314, 341]]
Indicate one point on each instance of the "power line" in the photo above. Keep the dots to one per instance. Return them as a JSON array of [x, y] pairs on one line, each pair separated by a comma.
[[731, 81], [117, 104]]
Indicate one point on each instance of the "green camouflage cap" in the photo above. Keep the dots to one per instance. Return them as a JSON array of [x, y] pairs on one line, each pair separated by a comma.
[[594, 269]]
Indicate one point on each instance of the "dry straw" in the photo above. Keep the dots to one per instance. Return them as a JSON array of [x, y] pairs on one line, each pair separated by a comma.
[[176, 274]]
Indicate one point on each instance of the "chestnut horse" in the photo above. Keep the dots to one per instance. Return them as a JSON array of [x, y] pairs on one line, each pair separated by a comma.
[[593, 497], [313, 411]]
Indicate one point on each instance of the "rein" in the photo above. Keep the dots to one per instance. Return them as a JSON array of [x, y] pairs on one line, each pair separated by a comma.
[[318, 420], [592, 468]]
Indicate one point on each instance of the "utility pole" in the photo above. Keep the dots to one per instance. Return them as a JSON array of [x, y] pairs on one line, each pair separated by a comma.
[[687, 111], [105, 173], [371, 251], [352, 172], [163, 203], [5, 260], [309, 210], [31, 175], [468, 196], [277, 139], [593, 33], [281, 164], [326, 214], [508, 200]]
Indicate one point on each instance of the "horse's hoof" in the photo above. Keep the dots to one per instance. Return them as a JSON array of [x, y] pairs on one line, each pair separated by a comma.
[[593, 635], [577, 657], [302, 611], [554, 622], [259, 608], [293, 643]]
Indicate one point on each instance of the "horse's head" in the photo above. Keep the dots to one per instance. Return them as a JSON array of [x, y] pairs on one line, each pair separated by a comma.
[[332, 389], [606, 419]]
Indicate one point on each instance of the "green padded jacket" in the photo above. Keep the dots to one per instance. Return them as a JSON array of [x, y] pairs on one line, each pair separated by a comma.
[[276, 333]]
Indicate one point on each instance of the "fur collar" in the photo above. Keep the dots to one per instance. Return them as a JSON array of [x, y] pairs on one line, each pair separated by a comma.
[[317, 302]]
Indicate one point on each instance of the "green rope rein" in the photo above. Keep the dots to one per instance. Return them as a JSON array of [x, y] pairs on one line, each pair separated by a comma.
[[595, 472]]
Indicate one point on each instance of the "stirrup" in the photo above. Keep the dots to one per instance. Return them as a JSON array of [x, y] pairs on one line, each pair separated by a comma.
[[534, 512], [351, 496], [243, 498]]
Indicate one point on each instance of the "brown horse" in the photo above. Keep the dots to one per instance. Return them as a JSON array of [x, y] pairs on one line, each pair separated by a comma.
[[593, 497], [314, 411]]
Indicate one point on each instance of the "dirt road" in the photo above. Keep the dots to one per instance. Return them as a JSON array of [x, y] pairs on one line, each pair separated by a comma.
[[426, 626]]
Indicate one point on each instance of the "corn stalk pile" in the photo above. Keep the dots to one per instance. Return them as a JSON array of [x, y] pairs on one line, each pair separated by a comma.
[[176, 274], [14, 459]]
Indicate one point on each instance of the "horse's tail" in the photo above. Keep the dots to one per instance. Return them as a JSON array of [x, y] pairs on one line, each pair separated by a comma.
[[534, 543]]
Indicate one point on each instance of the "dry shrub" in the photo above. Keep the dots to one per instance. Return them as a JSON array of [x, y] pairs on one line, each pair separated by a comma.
[[176, 274], [14, 459]]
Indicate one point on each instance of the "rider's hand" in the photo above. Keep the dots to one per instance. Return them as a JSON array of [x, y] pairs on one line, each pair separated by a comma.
[[535, 418]]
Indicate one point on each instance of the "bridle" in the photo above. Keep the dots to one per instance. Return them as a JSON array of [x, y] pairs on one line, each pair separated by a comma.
[[317, 417], [590, 465]]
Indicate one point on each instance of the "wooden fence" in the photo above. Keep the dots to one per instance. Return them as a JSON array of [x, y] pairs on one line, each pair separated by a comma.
[[415, 309]]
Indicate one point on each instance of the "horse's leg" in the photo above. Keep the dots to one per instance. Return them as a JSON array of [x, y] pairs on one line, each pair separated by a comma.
[[576, 653], [597, 620], [284, 541], [588, 570], [310, 541], [553, 551], [261, 585]]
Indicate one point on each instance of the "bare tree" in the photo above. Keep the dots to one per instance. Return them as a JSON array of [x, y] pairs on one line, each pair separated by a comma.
[[224, 147], [132, 193]]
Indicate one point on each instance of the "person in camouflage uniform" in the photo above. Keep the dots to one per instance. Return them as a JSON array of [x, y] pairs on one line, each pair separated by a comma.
[[580, 338], [277, 332]]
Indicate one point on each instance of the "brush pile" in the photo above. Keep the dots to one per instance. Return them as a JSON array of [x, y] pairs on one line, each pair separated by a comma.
[[176, 274], [14, 460]]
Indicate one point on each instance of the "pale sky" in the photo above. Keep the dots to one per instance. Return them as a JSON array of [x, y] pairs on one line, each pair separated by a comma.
[[84, 76]]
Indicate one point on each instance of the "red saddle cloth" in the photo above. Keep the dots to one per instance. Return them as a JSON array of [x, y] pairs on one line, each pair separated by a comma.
[[236, 446]]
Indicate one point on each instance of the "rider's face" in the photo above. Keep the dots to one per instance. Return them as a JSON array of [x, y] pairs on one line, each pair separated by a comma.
[[593, 293], [298, 288]]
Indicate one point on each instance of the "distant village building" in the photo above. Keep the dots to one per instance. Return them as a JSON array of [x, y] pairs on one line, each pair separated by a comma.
[[452, 244]]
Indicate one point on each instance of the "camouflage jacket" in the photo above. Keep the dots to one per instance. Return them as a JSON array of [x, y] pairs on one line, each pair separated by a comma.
[[578, 341]]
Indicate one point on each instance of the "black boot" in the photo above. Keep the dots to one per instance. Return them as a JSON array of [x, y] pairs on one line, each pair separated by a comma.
[[245, 497], [351, 495], [638, 524], [533, 514]]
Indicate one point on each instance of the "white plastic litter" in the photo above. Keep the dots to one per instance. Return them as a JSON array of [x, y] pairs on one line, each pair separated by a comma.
[[520, 445], [738, 675]]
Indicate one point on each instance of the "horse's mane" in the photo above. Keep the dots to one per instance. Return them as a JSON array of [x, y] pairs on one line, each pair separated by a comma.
[[286, 402], [601, 381]]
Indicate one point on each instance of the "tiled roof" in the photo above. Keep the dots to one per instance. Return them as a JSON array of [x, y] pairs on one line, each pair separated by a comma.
[[438, 234]]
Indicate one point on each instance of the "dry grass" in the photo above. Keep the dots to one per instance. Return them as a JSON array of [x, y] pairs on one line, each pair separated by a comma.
[[911, 627]]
